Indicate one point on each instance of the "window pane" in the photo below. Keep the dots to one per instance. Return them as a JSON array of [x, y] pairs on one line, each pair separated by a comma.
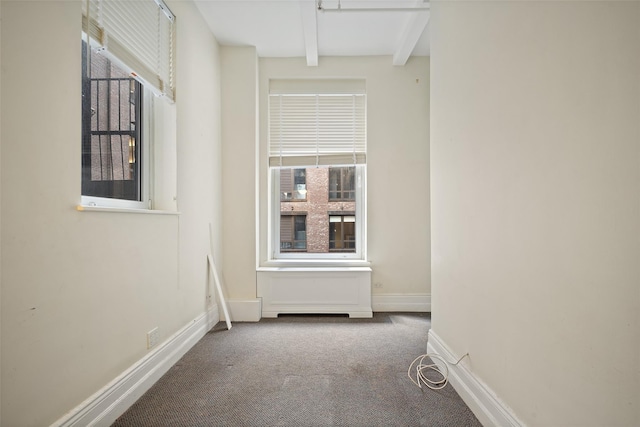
[[335, 235], [342, 183], [349, 237], [300, 184], [111, 123], [349, 178], [318, 223], [334, 183], [299, 176], [300, 234]]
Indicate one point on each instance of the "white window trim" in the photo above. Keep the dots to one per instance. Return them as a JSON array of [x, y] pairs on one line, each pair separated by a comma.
[[147, 54], [277, 258], [81, 208]]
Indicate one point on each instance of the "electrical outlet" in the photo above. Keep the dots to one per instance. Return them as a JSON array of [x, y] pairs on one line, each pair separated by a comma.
[[377, 285], [152, 338]]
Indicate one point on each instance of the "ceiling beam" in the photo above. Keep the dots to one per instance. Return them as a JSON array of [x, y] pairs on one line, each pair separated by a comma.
[[310, 28], [412, 32]]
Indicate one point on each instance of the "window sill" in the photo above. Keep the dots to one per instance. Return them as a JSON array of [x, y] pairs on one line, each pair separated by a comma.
[[85, 208], [315, 265]]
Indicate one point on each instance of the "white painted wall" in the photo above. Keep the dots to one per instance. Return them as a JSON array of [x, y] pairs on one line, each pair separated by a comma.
[[80, 290], [535, 195], [397, 162], [199, 163], [239, 134]]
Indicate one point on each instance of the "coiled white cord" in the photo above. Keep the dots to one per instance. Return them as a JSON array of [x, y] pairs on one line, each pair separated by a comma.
[[422, 369]]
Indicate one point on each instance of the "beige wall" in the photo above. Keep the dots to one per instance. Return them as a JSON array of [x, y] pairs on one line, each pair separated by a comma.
[[80, 290], [199, 156], [535, 186], [239, 130], [397, 162]]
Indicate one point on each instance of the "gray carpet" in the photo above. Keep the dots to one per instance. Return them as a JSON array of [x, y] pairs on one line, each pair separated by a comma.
[[302, 371]]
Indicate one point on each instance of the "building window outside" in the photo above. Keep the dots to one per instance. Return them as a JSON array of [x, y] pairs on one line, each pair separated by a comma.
[[293, 233], [111, 130], [342, 183], [342, 233], [293, 185]]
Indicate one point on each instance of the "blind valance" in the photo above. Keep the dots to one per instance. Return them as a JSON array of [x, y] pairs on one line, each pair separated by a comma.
[[313, 86], [320, 129], [138, 34]]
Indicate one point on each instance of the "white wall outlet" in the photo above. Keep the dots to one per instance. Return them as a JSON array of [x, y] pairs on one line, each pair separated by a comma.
[[377, 285], [152, 338]]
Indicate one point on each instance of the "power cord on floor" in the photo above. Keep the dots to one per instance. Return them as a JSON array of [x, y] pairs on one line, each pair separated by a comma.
[[422, 369]]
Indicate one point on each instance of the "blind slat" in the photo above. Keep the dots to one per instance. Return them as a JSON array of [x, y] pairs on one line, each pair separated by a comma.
[[286, 228], [139, 35], [286, 181], [322, 127]]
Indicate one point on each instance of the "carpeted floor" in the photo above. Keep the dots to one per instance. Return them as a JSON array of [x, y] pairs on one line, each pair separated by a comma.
[[302, 371]]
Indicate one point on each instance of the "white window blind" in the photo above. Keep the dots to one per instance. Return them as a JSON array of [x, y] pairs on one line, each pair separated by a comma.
[[139, 34], [317, 129]]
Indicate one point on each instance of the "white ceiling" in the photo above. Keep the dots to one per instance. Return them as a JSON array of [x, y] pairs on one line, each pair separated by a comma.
[[297, 28]]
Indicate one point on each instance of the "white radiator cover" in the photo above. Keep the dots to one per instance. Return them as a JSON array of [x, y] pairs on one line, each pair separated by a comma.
[[344, 290]]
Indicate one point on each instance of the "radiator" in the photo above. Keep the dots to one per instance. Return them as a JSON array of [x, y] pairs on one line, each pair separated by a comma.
[[315, 290]]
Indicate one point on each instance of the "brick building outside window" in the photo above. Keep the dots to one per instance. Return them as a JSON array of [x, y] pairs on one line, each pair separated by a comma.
[[317, 209]]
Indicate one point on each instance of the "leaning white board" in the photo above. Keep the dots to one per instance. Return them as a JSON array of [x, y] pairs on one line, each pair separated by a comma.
[[219, 288]]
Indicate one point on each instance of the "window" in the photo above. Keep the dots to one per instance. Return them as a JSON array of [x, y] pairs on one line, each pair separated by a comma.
[[317, 156], [127, 54], [293, 233], [322, 227], [111, 130], [342, 233], [342, 183]]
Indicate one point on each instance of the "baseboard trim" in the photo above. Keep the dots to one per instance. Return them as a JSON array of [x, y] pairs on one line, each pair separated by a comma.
[[484, 403], [105, 406], [401, 302], [244, 310]]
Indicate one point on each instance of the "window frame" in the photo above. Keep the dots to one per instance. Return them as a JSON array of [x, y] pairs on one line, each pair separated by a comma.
[[144, 143], [140, 39]]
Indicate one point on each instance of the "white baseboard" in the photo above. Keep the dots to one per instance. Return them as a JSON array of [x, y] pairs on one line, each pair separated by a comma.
[[244, 310], [105, 406], [484, 403], [401, 302]]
